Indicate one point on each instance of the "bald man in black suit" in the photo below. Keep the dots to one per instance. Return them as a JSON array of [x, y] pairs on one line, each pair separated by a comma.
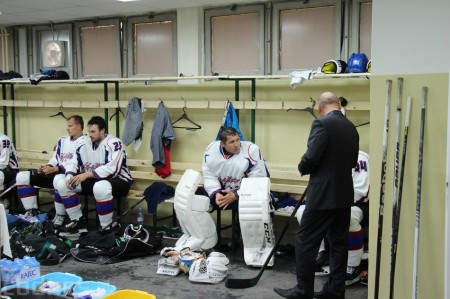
[[332, 152]]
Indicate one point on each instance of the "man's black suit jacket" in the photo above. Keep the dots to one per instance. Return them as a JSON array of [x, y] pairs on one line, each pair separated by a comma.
[[332, 152]]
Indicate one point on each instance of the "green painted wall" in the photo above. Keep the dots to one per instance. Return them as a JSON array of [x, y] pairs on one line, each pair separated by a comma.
[[432, 217]]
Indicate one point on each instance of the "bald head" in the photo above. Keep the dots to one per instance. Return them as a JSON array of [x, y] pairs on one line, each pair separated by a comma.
[[328, 101]]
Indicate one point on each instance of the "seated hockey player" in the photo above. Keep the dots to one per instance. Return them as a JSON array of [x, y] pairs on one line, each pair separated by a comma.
[[44, 175], [226, 163]]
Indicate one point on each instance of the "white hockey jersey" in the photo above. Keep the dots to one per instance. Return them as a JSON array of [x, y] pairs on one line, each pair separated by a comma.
[[361, 181], [8, 156], [65, 151], [222, 173], [107, 160]]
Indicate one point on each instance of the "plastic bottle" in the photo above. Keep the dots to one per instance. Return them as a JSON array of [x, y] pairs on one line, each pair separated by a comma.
[[17, 265], [31, 268], [140, 217], [5, 266]]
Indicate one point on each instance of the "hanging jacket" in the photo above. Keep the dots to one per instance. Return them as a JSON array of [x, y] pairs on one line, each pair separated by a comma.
[[162, 136], [134, 126]]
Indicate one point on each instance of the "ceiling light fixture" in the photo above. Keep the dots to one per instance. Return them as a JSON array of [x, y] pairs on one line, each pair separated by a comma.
[[127, 0]]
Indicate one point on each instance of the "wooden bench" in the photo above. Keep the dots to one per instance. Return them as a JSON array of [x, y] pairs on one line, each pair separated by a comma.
[[284, 178]]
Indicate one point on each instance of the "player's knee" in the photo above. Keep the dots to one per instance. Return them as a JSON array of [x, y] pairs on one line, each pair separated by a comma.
[[57, 178], [61, 186], [23, 178], [102, 190], [300, 213]]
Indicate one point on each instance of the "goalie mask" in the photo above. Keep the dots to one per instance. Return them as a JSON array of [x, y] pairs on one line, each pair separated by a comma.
[[334, 67], [136, 232]]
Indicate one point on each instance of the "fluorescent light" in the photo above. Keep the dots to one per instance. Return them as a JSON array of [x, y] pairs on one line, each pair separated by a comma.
[[127, 0]]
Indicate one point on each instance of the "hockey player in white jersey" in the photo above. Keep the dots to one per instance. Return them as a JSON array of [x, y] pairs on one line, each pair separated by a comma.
[[8, 166], [359, 217], [226, 163], [44, 176], [101, 164]]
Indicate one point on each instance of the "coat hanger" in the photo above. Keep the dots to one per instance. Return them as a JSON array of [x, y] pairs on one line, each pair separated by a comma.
[[310, 110], [118, 110], [186, 117], [60, 113]]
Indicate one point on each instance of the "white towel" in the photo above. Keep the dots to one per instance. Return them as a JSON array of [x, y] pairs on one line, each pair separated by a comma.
[[298, 77], [4, 232]]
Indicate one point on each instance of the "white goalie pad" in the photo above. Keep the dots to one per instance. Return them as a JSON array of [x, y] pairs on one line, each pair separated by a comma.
[[255, 221], [192, 212]]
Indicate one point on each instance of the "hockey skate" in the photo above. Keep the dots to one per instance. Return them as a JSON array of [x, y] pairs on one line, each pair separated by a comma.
[[74, 229], [352, 276]]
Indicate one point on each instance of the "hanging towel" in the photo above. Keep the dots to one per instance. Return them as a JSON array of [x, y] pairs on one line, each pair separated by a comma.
[[162, 136], [157, 193], [230, 119], [4, 233], [134, 126]]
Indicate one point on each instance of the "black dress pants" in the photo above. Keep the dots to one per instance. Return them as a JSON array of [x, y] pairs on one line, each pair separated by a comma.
[[314, 226]]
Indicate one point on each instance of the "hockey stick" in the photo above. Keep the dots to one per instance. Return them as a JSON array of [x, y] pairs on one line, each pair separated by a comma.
[[123, 214], [243, 283], [7, 190], [383, 179], [419, 191], [224, 119], [395, 210]]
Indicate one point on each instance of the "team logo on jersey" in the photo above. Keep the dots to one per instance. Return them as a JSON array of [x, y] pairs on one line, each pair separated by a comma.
[[66, 156], [91, 166], [230, 182]]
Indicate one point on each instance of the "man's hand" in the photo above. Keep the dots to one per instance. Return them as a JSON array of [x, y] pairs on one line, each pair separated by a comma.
[[73, 182], [223, 201], [47, 169]]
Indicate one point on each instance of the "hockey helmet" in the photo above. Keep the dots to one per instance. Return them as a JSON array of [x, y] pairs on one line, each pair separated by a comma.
[[369, 66], [357, 63], [334, 67]]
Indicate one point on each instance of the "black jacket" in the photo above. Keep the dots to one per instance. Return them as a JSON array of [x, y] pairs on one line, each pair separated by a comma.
[[332, 152]]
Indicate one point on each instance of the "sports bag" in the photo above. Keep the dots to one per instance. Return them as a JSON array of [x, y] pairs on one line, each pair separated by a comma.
[[116, 245], [48, 250]]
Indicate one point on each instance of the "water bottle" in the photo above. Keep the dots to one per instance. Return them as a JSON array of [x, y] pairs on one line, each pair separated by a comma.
[[140, 217], [31, 269], [15, 270], [6, 266]]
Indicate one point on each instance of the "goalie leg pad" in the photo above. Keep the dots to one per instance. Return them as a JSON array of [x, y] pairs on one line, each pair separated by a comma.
[[255, 221], [192, 213]]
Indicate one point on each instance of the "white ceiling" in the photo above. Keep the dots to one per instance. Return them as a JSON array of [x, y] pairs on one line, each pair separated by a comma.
[[16, 12]]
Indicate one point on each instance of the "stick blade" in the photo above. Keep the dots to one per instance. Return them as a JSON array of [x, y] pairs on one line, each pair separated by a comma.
[[241, 283]]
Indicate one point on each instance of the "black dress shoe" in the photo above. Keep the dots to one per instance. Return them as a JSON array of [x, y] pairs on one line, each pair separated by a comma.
[[293, 293], [323, 295]]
